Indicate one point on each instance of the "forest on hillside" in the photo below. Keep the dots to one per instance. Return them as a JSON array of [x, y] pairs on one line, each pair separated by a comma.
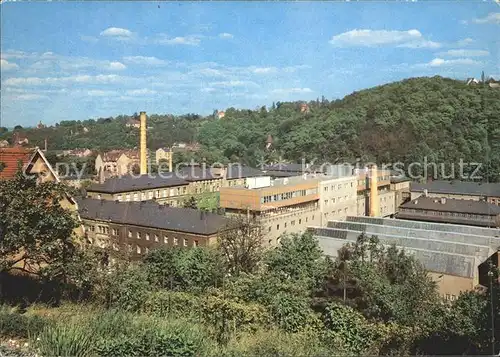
[[436, 119]]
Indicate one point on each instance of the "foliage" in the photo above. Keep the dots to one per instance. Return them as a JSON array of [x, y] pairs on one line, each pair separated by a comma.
[[186, 269], [240, 242], [190, 203], [15, 324], [64, 340], [36, 231]]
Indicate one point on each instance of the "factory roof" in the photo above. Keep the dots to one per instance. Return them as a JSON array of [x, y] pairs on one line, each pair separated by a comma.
[[452, 205], [458, 188], [135, 183], [153, 215]]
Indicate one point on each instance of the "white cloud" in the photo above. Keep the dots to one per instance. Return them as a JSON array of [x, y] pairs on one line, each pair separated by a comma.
[[440, 62], [116, 66], [30, 97], [100, 93], [371, 38], [491, 18], [14, 54], [117, 32], [187, 40], [226, 35], [208, 89], [464, 53], [38, 81], [292, 90], [263, 70], [7, 66], [142, 60], [141, 92], [235, 83], [465, 42], [89, 39]]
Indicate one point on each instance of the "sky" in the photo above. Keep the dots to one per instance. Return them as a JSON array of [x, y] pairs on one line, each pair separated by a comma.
[[80, 60]]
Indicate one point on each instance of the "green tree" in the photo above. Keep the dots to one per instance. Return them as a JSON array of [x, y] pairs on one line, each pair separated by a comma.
[[190, 203]]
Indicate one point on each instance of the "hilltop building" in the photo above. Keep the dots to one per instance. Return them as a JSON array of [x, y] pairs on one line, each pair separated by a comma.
[[165, 154], [116, 162], [221, 114], [451, 253], [133, 123]]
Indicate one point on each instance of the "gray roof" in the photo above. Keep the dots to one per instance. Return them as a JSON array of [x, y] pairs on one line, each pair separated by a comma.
[[445, 249], [151, 214], [458, 188], [132, 183], [240, 171], [452, 205], [196, 173]]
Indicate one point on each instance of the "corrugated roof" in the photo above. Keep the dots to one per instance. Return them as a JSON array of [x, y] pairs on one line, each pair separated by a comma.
[[11, 158], [458, 188], [153, 215], [452, 205]]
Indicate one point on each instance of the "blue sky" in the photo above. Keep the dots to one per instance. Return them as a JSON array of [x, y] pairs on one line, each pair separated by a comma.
[[80, 60]]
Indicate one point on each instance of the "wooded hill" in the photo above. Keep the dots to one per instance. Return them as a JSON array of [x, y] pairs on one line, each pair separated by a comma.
[[441, 119]]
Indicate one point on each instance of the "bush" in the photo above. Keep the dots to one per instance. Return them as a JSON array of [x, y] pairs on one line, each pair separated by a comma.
[[14, 324], [172, 303], [64, 340], [150, 337]]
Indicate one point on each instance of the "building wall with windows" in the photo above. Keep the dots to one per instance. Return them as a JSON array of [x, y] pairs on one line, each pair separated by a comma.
[[129, 241], [387, 204], [338, 198]]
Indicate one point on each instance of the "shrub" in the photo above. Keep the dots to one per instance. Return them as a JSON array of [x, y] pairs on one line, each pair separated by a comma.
[[172, 303], [14, 324], [64, 340]]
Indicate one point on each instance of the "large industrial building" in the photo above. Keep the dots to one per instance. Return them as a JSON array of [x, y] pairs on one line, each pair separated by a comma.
[[478, 191], [451, 253]]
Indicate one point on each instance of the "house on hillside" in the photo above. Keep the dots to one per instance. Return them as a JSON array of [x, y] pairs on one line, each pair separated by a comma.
[[19, 139], [304, 108], [221, 115], [116, 163], [472, 81], [133, 123]]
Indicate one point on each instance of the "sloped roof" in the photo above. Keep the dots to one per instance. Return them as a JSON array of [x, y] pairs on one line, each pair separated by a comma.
[[151, 214], [240, 171], [458, 188], [11, 158], [452, 205], [135, 183]]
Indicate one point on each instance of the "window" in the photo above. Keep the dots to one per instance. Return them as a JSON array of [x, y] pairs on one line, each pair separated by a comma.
[[300, 221], [164, 193], [156, 238], [176, 241], [127, 197], [185, 242], [195, 243], [130, 234], [143, 195], [116, 247], [326, 189], [269, 229], [98, 196], [136, 197], [138, 250], [147, 236], [277, 227], [129, 248], [293, 223], [326, 202], [115, 231], [157, 193], [312, 217], [138, 235], [120, 198], [307, 219], [165, 239], [150, 194], [147, 250], [285, 224]]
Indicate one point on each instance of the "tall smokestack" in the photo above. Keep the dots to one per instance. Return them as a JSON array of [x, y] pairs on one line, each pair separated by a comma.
[[170, 160], [374, 210], [143, 163]]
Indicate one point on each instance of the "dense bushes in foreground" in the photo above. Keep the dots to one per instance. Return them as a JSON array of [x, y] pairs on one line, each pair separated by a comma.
[[190, 303]]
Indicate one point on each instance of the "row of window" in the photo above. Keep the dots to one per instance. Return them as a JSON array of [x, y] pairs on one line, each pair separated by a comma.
[[441, 213], [288, 195], [292, 223], [152, 194], [339, 186], [335, 200]]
